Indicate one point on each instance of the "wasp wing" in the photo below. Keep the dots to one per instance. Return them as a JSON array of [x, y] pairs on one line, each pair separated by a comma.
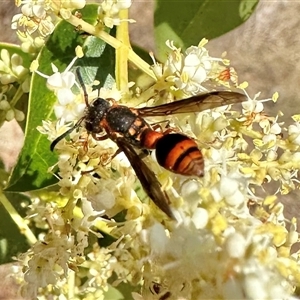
[[194, 104], [147, 178]]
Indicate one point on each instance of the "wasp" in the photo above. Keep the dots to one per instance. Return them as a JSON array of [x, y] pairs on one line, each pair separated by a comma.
[[127, 127]]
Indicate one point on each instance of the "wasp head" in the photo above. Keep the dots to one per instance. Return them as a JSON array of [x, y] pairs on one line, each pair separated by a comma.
[[95, 113]]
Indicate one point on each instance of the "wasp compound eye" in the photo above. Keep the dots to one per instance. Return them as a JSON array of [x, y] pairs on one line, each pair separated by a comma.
[[95, 114]]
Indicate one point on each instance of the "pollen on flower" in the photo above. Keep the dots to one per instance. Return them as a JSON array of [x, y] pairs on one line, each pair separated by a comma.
[[38, 19], [275, 97], [109, 12], [193, 71], [230, 239], [48, 260]]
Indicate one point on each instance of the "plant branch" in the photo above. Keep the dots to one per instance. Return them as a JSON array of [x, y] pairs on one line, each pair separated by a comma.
[[132, 56], [24, 229]]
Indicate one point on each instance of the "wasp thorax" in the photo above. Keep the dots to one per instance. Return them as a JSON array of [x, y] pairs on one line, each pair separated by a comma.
[[95, 114]]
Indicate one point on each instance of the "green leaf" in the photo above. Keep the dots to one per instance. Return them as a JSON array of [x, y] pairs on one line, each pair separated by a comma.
[[31, 171], [247, 8], [187, 22], [12, 241], [122, 291]]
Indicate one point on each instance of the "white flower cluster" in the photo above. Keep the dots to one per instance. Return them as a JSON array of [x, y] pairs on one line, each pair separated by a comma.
[[69, 106], [189, 263], [109, 12], [229, 241], [191, 71], [38, 18], [12, 74], [49, 261]]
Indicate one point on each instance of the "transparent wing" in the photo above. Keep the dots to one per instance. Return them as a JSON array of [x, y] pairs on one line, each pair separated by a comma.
[[194, 104], [147, 178]]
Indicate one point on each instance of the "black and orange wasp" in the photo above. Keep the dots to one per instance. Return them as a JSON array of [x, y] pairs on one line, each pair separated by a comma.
[[126, 126]]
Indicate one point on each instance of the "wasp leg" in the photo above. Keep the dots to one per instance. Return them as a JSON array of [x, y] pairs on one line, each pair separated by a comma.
[[107, 161], [157, 125], [112, 157], [96, 175], [168, 129], [99, 137], [102, 138]]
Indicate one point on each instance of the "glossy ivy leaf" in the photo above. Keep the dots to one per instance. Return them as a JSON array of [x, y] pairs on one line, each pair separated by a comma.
[[31, 171], [186, 23]]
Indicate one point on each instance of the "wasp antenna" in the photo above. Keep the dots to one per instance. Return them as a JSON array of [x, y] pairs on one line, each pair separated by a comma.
[[54, 143], [85, 94]]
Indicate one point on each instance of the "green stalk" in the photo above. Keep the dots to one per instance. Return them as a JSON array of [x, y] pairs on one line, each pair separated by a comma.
[[132, 56], [24, 229], [122, 53]]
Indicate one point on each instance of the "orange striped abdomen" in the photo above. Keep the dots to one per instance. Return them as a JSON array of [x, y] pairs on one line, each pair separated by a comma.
[[180, 154]]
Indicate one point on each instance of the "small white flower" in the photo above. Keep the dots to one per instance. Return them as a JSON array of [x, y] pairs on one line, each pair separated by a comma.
[[231, 188], [235, 245], [11, 69], [109, 12], [34, 9], [200, 218], [269, 138], [294, 133], [193, 70], [37, 16], [61, 83], [190, 191], [275, 128], [157, 239], [190, 70], [104, 199], [253, 106]]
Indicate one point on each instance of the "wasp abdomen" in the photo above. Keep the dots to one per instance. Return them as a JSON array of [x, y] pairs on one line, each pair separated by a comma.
[[149, 138], [180, 154]]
